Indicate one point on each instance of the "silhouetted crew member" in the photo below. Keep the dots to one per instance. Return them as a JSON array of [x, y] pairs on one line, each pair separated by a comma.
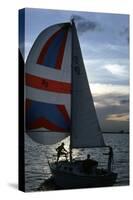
[[110, 159], [61, 151], [90, 165]]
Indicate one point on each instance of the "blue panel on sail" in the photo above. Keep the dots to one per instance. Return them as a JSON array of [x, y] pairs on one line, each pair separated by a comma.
[[45, 115], [53, 50], [51, 55]]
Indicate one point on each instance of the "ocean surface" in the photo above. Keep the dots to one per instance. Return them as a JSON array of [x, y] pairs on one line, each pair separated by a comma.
[[37, 169]]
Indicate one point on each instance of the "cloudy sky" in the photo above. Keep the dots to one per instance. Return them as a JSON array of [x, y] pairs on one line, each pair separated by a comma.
[[104, 40]]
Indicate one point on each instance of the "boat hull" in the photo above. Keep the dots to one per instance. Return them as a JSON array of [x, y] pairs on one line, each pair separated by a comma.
[[66, 180], [70, 179]]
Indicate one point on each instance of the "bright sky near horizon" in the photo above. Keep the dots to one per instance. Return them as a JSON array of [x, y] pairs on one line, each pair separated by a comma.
[[104, 40]]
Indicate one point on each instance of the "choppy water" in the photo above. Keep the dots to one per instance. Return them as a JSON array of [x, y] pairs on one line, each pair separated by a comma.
[[37, 169]]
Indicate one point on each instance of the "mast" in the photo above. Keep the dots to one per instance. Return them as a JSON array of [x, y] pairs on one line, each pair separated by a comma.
[[72, 24]]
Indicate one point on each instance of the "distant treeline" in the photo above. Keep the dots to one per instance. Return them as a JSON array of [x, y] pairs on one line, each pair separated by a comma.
[[120, 132]]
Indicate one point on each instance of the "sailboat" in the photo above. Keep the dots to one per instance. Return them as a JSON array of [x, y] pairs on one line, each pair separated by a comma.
[[59, 103]]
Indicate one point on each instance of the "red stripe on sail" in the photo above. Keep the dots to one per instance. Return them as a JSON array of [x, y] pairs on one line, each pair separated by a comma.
[[46, 46], [48, 85], [63, 110], [44, 123], [61, 52]]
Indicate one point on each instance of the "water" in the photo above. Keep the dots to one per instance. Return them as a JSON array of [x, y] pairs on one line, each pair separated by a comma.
[[37, 169]]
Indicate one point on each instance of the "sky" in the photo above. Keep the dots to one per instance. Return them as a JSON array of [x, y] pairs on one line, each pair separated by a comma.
[[104, 41]]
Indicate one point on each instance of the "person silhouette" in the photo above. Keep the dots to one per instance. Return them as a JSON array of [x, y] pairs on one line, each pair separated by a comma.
[[110, 158], [61, 151], [90, 165]]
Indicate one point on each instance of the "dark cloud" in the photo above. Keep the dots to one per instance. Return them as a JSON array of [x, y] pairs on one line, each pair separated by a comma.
[[108, 125], [112, 104], [121, 115], [124, 101], [112, 100], [77, 17], [125, 33], [83, 24]]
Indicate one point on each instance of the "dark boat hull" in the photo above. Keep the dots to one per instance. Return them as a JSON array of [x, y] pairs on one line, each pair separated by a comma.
[[67, 179]]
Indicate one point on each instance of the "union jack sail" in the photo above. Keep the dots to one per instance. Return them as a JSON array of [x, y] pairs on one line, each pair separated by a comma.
[[48, 85]]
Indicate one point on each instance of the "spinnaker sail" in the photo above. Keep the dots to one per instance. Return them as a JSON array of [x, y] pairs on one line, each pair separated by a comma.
[[48, 85]]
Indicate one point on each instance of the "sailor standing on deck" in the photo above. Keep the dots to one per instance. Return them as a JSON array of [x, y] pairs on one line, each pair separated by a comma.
[[61, 151], [110, 159]]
